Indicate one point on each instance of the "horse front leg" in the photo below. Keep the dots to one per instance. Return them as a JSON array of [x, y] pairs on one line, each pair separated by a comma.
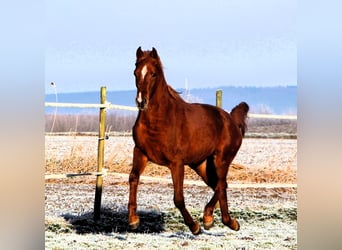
[[177, 172], [139, 164]]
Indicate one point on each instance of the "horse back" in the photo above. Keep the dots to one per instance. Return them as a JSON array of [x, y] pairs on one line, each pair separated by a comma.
[[190, 132], [213, 124]]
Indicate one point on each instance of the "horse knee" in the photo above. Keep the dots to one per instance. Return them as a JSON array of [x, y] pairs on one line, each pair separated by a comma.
[[133, 178]]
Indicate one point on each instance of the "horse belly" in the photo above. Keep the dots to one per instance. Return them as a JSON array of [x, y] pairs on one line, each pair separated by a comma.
[[198, 152]]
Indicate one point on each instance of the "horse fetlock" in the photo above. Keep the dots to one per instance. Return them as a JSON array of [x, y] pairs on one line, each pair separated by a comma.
[[233, 224], [195, 228], [208, 221], [134, 222]]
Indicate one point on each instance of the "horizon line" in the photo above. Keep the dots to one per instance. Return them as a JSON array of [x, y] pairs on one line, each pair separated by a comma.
[[217, 87]]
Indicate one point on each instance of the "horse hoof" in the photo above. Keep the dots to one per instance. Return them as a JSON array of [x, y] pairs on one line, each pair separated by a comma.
[[196, 229], [134, 224], [208, 223], [207, 226], [234, 225]]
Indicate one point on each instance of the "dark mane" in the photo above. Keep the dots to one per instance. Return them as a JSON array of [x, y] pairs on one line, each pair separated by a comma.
[[174, 94]]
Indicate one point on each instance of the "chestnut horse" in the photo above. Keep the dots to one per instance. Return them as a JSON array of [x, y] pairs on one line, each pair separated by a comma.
[[170, 132]]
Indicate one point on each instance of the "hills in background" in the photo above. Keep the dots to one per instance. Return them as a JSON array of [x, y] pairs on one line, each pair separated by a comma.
[[270, 100]]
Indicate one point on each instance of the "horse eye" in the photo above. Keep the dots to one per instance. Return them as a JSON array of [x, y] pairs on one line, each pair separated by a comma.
[[153, 74]]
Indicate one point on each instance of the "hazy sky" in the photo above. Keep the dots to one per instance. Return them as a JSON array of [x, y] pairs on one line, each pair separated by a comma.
[[206, 43]]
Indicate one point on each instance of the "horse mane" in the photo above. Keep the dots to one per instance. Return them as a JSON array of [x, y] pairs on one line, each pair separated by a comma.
[[174, 94]]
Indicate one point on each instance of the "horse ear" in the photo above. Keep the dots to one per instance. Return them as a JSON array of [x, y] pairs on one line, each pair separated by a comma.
[[154, 53], [139, 52]]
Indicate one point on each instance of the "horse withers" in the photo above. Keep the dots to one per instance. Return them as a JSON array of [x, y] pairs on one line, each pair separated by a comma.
[[170, 132]]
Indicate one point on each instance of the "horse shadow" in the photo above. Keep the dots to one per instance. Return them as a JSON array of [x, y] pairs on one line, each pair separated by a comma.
[[115, 221]]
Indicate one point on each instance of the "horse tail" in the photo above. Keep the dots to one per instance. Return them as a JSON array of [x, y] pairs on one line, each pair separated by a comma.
[[239, 115]]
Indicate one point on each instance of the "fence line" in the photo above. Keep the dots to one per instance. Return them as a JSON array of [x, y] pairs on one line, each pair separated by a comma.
[[151, 179], [102, 124], [108, 105], [269, 116]]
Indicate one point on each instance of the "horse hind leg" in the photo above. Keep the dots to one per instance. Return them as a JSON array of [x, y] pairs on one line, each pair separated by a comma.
[[214, 173], [177, 172], [222, 166], [208, 173]]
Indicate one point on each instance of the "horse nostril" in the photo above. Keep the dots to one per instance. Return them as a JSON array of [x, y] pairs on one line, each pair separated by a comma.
[[141, 102]]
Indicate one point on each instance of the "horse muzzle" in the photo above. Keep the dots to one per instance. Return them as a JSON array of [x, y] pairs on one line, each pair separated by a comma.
[[141, 102]]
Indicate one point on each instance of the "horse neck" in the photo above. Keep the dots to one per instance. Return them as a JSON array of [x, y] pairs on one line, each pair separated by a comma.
[[161, 98]]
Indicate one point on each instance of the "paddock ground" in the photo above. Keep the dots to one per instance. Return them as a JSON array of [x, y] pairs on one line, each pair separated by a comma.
[[268, 216]]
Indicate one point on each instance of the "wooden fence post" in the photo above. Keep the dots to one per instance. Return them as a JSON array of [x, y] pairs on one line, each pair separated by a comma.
[[219, 98], [100, 155]]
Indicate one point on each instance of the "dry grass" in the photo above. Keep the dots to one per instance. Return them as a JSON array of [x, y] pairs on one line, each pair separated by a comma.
[[80, 160]]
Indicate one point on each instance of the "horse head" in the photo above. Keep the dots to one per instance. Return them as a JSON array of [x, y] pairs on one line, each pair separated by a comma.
[[147, 72]]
